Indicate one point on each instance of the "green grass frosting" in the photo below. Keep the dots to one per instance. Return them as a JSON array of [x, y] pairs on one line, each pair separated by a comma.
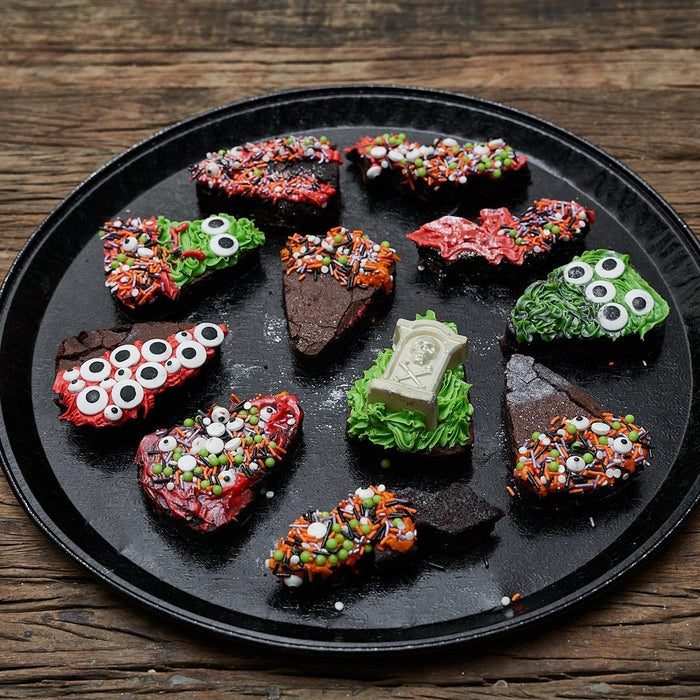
[[405, 430]]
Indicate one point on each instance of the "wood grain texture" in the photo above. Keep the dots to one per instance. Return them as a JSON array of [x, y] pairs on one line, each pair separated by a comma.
[[82, 80]]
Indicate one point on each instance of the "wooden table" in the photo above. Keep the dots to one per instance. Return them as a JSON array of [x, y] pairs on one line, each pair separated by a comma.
[[82, 81]]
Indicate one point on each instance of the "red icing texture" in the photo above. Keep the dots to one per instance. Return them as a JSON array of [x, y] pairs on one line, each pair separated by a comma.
[[69, 399], [258, 170], [501, 235], [197, 501]]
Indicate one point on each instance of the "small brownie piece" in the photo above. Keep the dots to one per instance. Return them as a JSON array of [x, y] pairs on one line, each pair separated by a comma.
[[153, 261], [108, 376], [502, 242], [595, 298], [534, 394], [207, 471], [290, 182], [373, 526], [566, 447], [331, 285], [445, 168]]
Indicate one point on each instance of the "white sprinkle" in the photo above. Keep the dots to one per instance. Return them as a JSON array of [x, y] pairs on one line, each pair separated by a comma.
[[269, 494], [374, 171], [378, 152], [317, 530], [338, 605], [293, 581], [505, 601]]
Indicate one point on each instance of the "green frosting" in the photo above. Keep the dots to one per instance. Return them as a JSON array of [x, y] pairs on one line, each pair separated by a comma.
[[556, 306], [186, 268], [405, 430]]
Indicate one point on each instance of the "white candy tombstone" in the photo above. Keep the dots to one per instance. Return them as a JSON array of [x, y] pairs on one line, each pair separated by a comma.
[[423, 351]]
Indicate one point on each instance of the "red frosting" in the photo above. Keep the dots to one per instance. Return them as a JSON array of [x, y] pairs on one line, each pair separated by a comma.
[[74, 397], [205, 500], [503, 236]]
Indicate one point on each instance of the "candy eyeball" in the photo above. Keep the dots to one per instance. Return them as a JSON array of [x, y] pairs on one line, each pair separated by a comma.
[[113, 413], [151, 375], [613, 317], [76, 385], [578, 272], [127, 394], [224, 245], [130, 243], [580, 422], [575, 464], [92, 400], [182, 336], [227, 477], [191, 354], [167, 443], [215, 225], [95, 370], [209, 334], [600, 291], [125, 356], [122, 373], [156, 350], [639, 302], [610, 267], [212, 168], [266, 413], [173, 365], [71, 374], [220, 415], [622, 445]]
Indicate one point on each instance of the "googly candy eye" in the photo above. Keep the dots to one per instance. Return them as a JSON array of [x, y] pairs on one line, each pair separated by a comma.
[[122, 373], [215, 224], [209, 334], [610, 267], [224, 245], [580, 422], [76, 385], [613, 317], [125, 356], [71, 374], [127, 394], [191, 354], [156, 350], [212, 168], [151, 375], [575, 464], [92, 400], [600, 291], [220, 414], [578, 272], [113, 413], [130, 243], [167, 443], [95, 370], [173, 365], [639, 301], [227, 477], [183, 336], [266, 413], [622, 445]]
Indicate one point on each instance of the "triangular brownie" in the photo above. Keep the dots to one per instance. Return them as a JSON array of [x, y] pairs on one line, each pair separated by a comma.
[[331, 283]]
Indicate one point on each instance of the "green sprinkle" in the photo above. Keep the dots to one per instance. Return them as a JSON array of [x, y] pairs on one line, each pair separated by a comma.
[[248, 439], [187, 476], [198, 470], [217, 490], [496, 173], [320, 560], [348, 545], [253, 420], [305, 557], [536, 435], [507, 162], [326, 261], [258, 439], [343, 260], [366, 529], [114, 264], [633, 435], [518, 241], [368, 548], [223, 459], [332, 559], [553, 467], [238, 459], [376, 499], [368, 503], [587, 457], [385, 244], [571, 429], [253, 410], [421, 172], [343, 554], [168, 471], [616, 425], [338, 238], [397, 522], [188, 422], [278, 555], [204, 452], [121, 257], [385, 463], [555, 229], [353, 523], [270, 462], [481, 167], [204, 484], [335, 527], [629, 418], [331, 543], [554, 453], [157, 468], [603, 440], [418, 162], [213, 460], [453, 165]]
